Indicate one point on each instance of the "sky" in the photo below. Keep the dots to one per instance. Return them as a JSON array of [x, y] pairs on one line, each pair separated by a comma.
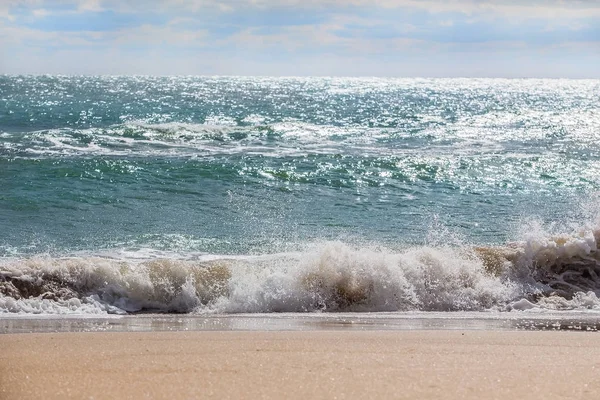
[[399, 38]]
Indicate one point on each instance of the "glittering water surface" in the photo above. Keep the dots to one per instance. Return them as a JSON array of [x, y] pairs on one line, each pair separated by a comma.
[[565, 321], [194, 168], [240, 165]]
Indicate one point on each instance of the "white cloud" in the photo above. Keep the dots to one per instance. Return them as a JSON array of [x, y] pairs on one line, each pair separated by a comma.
[[7, 5], [316, 39], [148, 35], [157, 35], [89, 6], [315, 49]]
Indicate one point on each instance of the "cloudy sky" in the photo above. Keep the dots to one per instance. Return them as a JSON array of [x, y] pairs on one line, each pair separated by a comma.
[[471, 38]]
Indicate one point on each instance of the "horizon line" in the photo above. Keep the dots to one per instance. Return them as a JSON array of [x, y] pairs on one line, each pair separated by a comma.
[[297, 76]]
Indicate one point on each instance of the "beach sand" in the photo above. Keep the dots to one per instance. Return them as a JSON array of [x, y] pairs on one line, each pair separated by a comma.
[[302, 365]]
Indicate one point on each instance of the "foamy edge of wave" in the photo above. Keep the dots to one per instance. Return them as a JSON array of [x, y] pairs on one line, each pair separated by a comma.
[[561, 272]]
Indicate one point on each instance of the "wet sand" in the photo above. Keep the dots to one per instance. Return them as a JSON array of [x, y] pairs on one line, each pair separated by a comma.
[[304, 364]]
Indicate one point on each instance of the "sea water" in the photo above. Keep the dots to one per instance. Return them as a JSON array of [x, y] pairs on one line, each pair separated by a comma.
[[218, 195]]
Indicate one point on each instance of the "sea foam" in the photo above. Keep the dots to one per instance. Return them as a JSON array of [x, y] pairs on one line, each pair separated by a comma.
[[558, 272]]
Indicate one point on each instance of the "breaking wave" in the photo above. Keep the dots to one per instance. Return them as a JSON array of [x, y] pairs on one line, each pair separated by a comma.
[[137, 138], [558, 272]]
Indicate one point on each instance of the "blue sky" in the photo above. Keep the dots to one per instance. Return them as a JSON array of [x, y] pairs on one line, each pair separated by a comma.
[[472, 38]]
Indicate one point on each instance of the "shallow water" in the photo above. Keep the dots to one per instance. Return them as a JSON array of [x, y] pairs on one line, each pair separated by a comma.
[[468, 321]]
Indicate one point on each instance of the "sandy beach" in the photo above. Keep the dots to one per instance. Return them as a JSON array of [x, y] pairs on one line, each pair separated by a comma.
[[322, 364]]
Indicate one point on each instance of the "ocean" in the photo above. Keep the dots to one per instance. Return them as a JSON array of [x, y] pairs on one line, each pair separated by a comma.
[[227, 195]]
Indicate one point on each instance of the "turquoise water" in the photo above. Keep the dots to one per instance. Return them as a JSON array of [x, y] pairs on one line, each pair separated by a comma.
[[141, 168], [238, 165]]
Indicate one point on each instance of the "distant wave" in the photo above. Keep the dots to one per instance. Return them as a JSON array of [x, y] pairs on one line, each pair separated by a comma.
[[175, 138], [312, 154], [561, 272], [293, 137]]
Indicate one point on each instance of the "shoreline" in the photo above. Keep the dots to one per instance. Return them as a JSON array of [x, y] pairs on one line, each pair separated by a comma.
[[441, 364], [583, 320]]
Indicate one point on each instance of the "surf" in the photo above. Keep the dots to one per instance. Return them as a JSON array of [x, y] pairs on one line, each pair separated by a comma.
[[557, 272]]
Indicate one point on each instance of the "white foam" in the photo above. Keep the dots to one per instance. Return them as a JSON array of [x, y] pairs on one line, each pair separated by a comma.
[[522, 305], [581, 300], [175, 138], [331, 276], [337, 277], [88, 305], [541, 272]]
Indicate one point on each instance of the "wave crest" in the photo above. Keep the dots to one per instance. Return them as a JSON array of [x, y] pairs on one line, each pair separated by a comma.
[[561, 272]]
